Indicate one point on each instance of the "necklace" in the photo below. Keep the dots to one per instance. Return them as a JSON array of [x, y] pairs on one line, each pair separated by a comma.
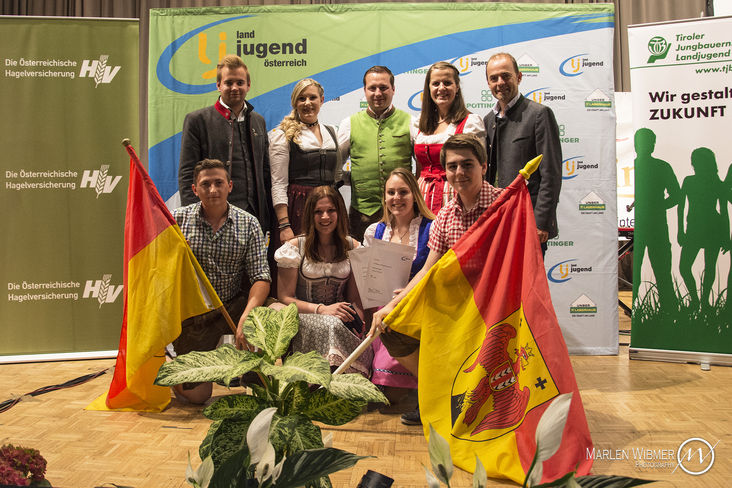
[[326, 251], [401, 237], [312, 124]]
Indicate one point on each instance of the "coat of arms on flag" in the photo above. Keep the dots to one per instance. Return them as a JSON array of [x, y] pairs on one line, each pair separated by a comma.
[[486, 406]]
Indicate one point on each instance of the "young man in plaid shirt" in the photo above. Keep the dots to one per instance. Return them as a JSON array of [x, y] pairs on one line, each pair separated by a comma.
[[465, 161], [229, 244]]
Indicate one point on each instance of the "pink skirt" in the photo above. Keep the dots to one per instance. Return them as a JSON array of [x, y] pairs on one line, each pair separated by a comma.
[[387, 371]]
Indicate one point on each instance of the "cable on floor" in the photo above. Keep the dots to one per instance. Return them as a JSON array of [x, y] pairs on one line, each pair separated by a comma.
[[8, 404]]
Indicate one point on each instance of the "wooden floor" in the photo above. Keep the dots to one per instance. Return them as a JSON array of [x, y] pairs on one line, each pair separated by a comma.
[[630, 405]]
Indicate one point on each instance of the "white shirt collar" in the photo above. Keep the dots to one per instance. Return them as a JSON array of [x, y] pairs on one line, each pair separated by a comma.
[[497, 107], [242, 114]]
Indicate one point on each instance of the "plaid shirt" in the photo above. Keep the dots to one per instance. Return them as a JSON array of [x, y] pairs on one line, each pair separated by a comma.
[[452, 221], [238, 246]]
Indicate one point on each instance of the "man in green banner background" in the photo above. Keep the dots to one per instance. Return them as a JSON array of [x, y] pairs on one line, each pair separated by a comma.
[[231, 131], [378, 141]]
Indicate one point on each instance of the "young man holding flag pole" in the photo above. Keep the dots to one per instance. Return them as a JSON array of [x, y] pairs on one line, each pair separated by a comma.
[[163, 285], [480, 315]]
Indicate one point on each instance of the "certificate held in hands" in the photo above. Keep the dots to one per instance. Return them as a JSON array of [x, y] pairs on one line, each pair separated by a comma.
[[380, 267]]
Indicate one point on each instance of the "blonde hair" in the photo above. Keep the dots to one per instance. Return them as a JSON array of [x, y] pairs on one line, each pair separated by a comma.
[[290, 125], [231, 61], [419, 206]]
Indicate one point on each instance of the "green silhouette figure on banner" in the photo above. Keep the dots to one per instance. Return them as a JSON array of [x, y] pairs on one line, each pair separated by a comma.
[[657, 190], [728, 188], [707, 223]]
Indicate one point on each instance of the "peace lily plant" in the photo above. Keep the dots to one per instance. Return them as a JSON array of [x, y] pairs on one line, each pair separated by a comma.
[[256, 466], [295, 391]]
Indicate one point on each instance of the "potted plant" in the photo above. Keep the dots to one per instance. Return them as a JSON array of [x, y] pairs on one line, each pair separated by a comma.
[[260, 468], [300, 387], [20, 466]]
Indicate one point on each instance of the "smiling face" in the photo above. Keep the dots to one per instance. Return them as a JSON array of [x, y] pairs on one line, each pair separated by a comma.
[[503, 79], [443, 88], [233, 87], [378, 91], [464, 172], [308, 104], [398, 198], [325, 215], [213, 187]]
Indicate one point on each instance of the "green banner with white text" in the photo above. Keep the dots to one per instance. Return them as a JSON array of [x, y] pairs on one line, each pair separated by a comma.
[[69, 95]]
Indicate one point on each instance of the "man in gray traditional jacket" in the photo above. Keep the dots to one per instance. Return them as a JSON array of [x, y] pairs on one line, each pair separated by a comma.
[[230, 131], [518, 130]]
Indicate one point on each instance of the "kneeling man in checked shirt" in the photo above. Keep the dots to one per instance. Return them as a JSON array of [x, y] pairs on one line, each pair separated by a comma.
[[465, 161], [230, 247]]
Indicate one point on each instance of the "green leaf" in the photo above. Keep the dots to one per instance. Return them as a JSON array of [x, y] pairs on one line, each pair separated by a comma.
[[242, 407], [272, 330], [310, 367], [355, 387], [222, 364], [480, 477], [610, 481], [224, 438], [440, 457], [297, 397], [232, 473], [294, 433], [46, 483], [325, 407], [323, 482], [259, 391], [307, 466], [287, 324]]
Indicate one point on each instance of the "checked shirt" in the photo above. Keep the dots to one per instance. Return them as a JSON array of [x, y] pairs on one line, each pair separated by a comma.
[[237, 247], [452, 221]]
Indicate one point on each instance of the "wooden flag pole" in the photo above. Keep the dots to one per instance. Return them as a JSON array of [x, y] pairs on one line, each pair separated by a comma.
[[226, 315], [357, 352]]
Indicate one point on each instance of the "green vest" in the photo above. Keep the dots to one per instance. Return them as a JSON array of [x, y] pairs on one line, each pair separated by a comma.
[[377, 147]]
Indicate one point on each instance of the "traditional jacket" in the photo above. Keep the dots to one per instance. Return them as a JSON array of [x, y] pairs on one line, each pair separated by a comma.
[[207, 134], [527, 130]]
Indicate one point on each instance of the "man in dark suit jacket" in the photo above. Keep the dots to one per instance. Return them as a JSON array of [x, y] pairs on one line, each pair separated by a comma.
[[230, 131], [518, 130]]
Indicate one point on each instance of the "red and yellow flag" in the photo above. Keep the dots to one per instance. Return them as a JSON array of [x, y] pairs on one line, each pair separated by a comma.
[[163, 285], [492, 356]]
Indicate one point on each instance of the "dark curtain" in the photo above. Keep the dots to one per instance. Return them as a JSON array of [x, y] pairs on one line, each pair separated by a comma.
[[627, 12]]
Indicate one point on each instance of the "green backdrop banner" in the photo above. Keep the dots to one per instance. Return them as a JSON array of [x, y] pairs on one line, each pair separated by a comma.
[[565, 55], [69, 95]]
